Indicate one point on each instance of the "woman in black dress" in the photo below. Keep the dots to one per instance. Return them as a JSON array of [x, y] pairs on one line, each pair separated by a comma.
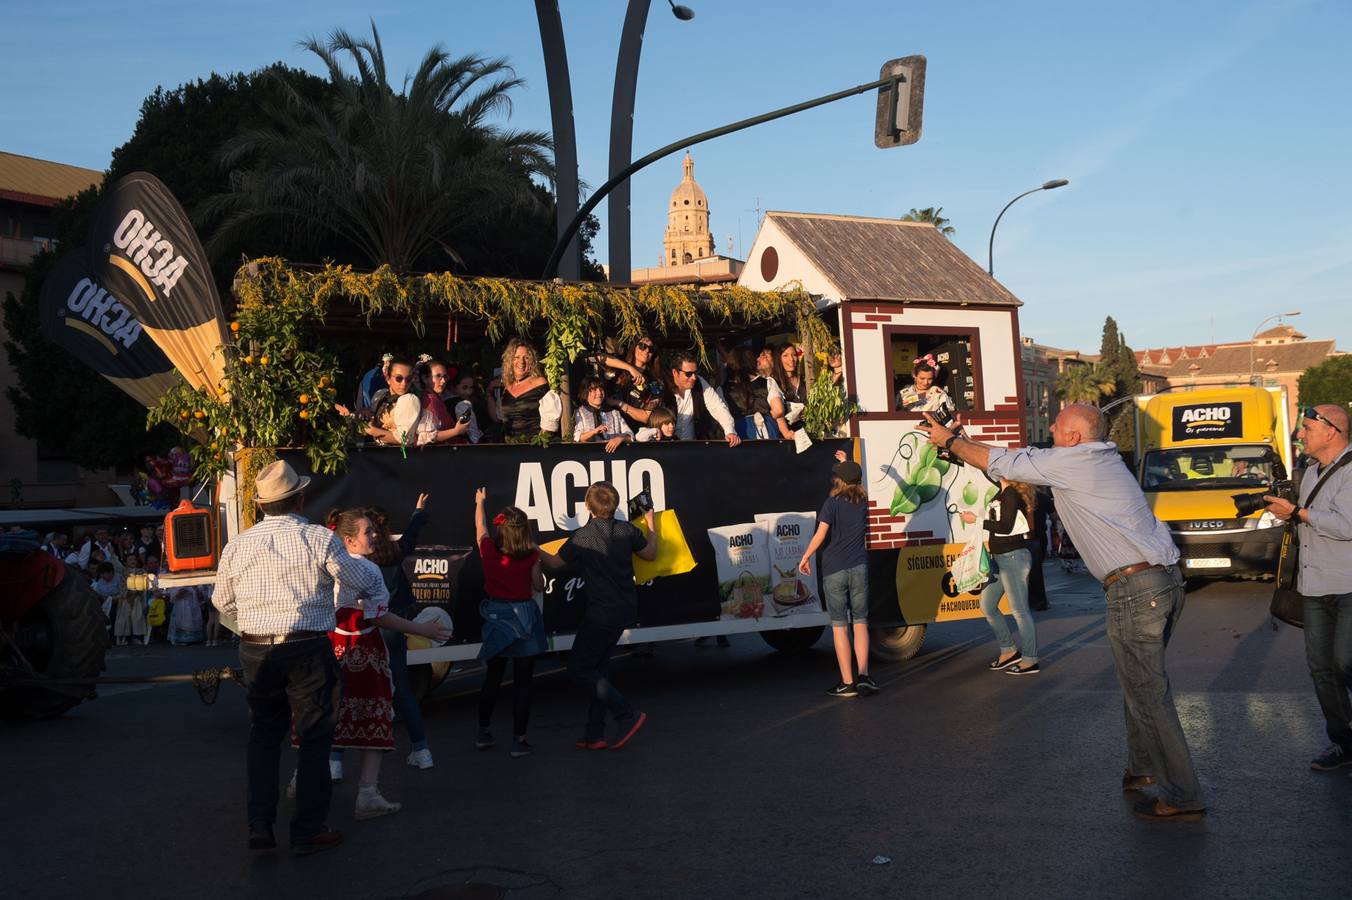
[[523, 402], [788, 376]]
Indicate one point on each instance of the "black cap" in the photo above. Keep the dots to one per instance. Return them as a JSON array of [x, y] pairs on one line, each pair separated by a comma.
[[848, 471]]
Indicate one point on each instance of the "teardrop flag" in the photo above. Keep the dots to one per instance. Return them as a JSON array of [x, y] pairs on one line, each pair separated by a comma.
[[92, 323], [143, 249]]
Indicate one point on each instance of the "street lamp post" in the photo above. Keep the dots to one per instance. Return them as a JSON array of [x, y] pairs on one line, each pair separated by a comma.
[[1279, 316], [990, 252]]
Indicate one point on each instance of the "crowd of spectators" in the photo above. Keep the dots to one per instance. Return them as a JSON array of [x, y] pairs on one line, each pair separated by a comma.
[[751, 394], [124, 570]]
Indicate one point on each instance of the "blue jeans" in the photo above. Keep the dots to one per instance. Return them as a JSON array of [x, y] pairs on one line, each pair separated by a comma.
[[1012, 569], [1143, 611], [846, 595], [1328, 652], [588, 664]]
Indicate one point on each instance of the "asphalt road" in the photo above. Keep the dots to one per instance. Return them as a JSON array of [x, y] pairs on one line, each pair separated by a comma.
[[748, 781]]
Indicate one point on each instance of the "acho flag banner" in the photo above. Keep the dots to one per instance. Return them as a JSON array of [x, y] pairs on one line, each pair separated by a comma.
[[93, 324], [143, 249]]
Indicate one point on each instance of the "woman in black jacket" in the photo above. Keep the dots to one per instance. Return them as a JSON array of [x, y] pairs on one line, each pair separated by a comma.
[[1008, 524]]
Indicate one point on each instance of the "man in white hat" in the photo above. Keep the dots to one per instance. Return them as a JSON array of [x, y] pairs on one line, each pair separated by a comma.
[[277, 581]]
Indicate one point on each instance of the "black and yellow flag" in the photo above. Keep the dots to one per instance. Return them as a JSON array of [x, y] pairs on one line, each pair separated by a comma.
[[143, 249], [92, 323]]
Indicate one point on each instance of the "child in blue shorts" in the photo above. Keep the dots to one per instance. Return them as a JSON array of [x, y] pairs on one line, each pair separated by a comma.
[[841, 528]]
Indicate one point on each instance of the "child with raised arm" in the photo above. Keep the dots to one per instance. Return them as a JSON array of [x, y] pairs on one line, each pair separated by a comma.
[[513, 626], [366, 712], [603, 550]]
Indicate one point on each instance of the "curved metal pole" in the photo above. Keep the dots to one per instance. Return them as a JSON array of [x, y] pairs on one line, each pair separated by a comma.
[[551, 267], [565, 138], [990, 250], [622, 137]]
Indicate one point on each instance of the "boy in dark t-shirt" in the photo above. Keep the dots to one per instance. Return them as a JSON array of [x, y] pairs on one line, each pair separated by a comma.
[[602, 549]]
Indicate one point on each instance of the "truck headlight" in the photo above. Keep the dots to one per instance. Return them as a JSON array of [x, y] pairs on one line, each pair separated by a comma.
[[1268, 520]]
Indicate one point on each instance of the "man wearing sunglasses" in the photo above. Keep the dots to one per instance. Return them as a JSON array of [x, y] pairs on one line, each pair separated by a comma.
[[700, 413], [1324, 578]]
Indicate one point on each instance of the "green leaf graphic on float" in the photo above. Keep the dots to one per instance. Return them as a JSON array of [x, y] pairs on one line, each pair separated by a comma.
[[905, 499]]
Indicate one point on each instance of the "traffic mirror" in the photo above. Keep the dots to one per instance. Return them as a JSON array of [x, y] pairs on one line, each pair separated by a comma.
[[901, 103]]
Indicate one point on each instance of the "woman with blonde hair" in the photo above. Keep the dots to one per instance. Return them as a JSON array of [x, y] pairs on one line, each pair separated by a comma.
[[522, 400], [1008, 524]]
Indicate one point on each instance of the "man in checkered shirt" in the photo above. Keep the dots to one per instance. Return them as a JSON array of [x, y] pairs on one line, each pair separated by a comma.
[[277, 581]]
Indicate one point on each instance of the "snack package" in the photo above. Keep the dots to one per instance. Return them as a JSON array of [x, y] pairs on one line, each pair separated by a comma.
[[743, 563], [788, 535]]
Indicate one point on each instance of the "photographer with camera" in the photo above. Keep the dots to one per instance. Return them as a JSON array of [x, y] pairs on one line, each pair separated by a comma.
[[1324, 576], [1134, 556]]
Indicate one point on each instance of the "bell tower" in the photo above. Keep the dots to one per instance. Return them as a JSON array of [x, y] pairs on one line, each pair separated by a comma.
[[688, 237]]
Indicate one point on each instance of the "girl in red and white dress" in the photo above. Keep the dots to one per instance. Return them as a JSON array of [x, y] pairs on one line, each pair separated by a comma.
[[366, 713]]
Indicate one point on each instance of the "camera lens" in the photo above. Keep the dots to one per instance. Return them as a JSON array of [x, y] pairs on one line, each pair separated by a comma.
[[1248, 504]]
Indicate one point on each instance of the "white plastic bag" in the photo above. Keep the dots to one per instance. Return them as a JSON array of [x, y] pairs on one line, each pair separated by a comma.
[[972, 565]]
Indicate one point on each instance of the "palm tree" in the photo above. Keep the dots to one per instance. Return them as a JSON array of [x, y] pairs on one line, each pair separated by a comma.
[[1084, 384], [932, 215], [402, 177]]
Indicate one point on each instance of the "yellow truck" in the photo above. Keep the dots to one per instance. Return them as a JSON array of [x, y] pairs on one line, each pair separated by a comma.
[[1198, 451]]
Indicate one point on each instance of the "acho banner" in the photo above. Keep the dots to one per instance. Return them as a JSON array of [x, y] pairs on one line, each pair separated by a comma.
[[91, 323], [710, 485], [143, 249]]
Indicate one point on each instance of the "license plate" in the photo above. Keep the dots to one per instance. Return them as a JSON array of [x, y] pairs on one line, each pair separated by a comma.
[[1208, 562]]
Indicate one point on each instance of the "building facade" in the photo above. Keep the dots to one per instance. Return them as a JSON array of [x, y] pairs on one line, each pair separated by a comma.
[[688, 255]]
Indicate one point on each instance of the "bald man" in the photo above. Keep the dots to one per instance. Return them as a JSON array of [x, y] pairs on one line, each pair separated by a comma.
[[1134, 556], [1324, 577]]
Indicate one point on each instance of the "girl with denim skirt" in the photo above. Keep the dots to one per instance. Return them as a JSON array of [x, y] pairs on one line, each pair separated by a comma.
[[513, 625], [1012, 559]]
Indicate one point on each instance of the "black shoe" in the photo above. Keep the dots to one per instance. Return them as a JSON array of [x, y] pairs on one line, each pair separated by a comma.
[[1021, 669], [844, 690], [1005, 662], [866, 685], [1131, 783], [325, 840], [261, 837], [1335, 757]]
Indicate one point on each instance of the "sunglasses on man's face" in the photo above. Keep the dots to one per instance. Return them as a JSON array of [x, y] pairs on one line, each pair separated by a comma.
[[688, 373], [1311, 413]]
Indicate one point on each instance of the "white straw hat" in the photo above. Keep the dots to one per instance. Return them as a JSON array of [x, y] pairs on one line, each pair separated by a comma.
[[277, 481]]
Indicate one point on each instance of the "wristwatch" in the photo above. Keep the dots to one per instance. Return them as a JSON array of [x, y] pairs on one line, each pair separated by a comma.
[[948, 444]]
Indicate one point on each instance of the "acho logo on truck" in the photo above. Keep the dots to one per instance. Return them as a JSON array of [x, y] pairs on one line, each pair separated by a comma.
[[1216, 420]]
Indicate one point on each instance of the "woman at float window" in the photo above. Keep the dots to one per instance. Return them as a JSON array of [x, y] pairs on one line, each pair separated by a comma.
[[1009, 525], [525, 405], [923, 395], [754, 400], [640, 386], [788, 376], [432, 374], [592, 423]]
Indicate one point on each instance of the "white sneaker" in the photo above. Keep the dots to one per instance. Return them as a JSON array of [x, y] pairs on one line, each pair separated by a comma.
[[291, 786], [371, 805], [420, 759], [335, 770]]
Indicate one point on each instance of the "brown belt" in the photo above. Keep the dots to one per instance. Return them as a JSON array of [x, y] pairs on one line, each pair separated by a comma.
[[282, 638], [1126, 571]]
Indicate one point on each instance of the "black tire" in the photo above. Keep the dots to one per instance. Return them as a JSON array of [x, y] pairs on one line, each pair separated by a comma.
[[896, 644], [793, 640], [63, 637], [426, 678]]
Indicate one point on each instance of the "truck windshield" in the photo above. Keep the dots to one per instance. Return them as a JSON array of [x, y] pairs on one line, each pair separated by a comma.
[[1205, 468]]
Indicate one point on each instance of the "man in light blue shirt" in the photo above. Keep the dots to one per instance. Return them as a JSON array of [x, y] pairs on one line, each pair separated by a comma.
[[1132, 553], [1324, 578]]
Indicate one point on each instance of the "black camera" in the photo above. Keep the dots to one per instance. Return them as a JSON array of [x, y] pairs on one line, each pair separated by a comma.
[[1248, 504], [640, 505]]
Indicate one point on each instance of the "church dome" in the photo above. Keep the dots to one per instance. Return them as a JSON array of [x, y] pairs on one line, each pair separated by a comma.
[[688, 196]]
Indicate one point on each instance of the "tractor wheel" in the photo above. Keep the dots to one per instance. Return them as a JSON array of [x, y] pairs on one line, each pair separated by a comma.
[[896, 644], [62, 637]]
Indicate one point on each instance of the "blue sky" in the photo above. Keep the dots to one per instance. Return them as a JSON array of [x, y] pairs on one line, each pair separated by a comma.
[[1207, 143]]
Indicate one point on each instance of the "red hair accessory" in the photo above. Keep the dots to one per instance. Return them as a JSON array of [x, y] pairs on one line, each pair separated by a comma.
[[333, 527], [500, 518]]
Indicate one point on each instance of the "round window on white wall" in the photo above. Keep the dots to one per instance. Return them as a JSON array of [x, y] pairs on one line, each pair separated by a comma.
[[769, 263]]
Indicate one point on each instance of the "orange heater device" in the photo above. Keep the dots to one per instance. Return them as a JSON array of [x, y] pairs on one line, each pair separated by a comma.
[[187, 539]]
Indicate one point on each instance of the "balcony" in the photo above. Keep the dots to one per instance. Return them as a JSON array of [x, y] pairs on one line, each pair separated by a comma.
[[18, 253]]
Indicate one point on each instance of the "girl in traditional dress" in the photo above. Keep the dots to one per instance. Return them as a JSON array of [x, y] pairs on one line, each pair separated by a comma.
[[513, 626], [185, 619], [924, 395], [131, 608], [366, 713]]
